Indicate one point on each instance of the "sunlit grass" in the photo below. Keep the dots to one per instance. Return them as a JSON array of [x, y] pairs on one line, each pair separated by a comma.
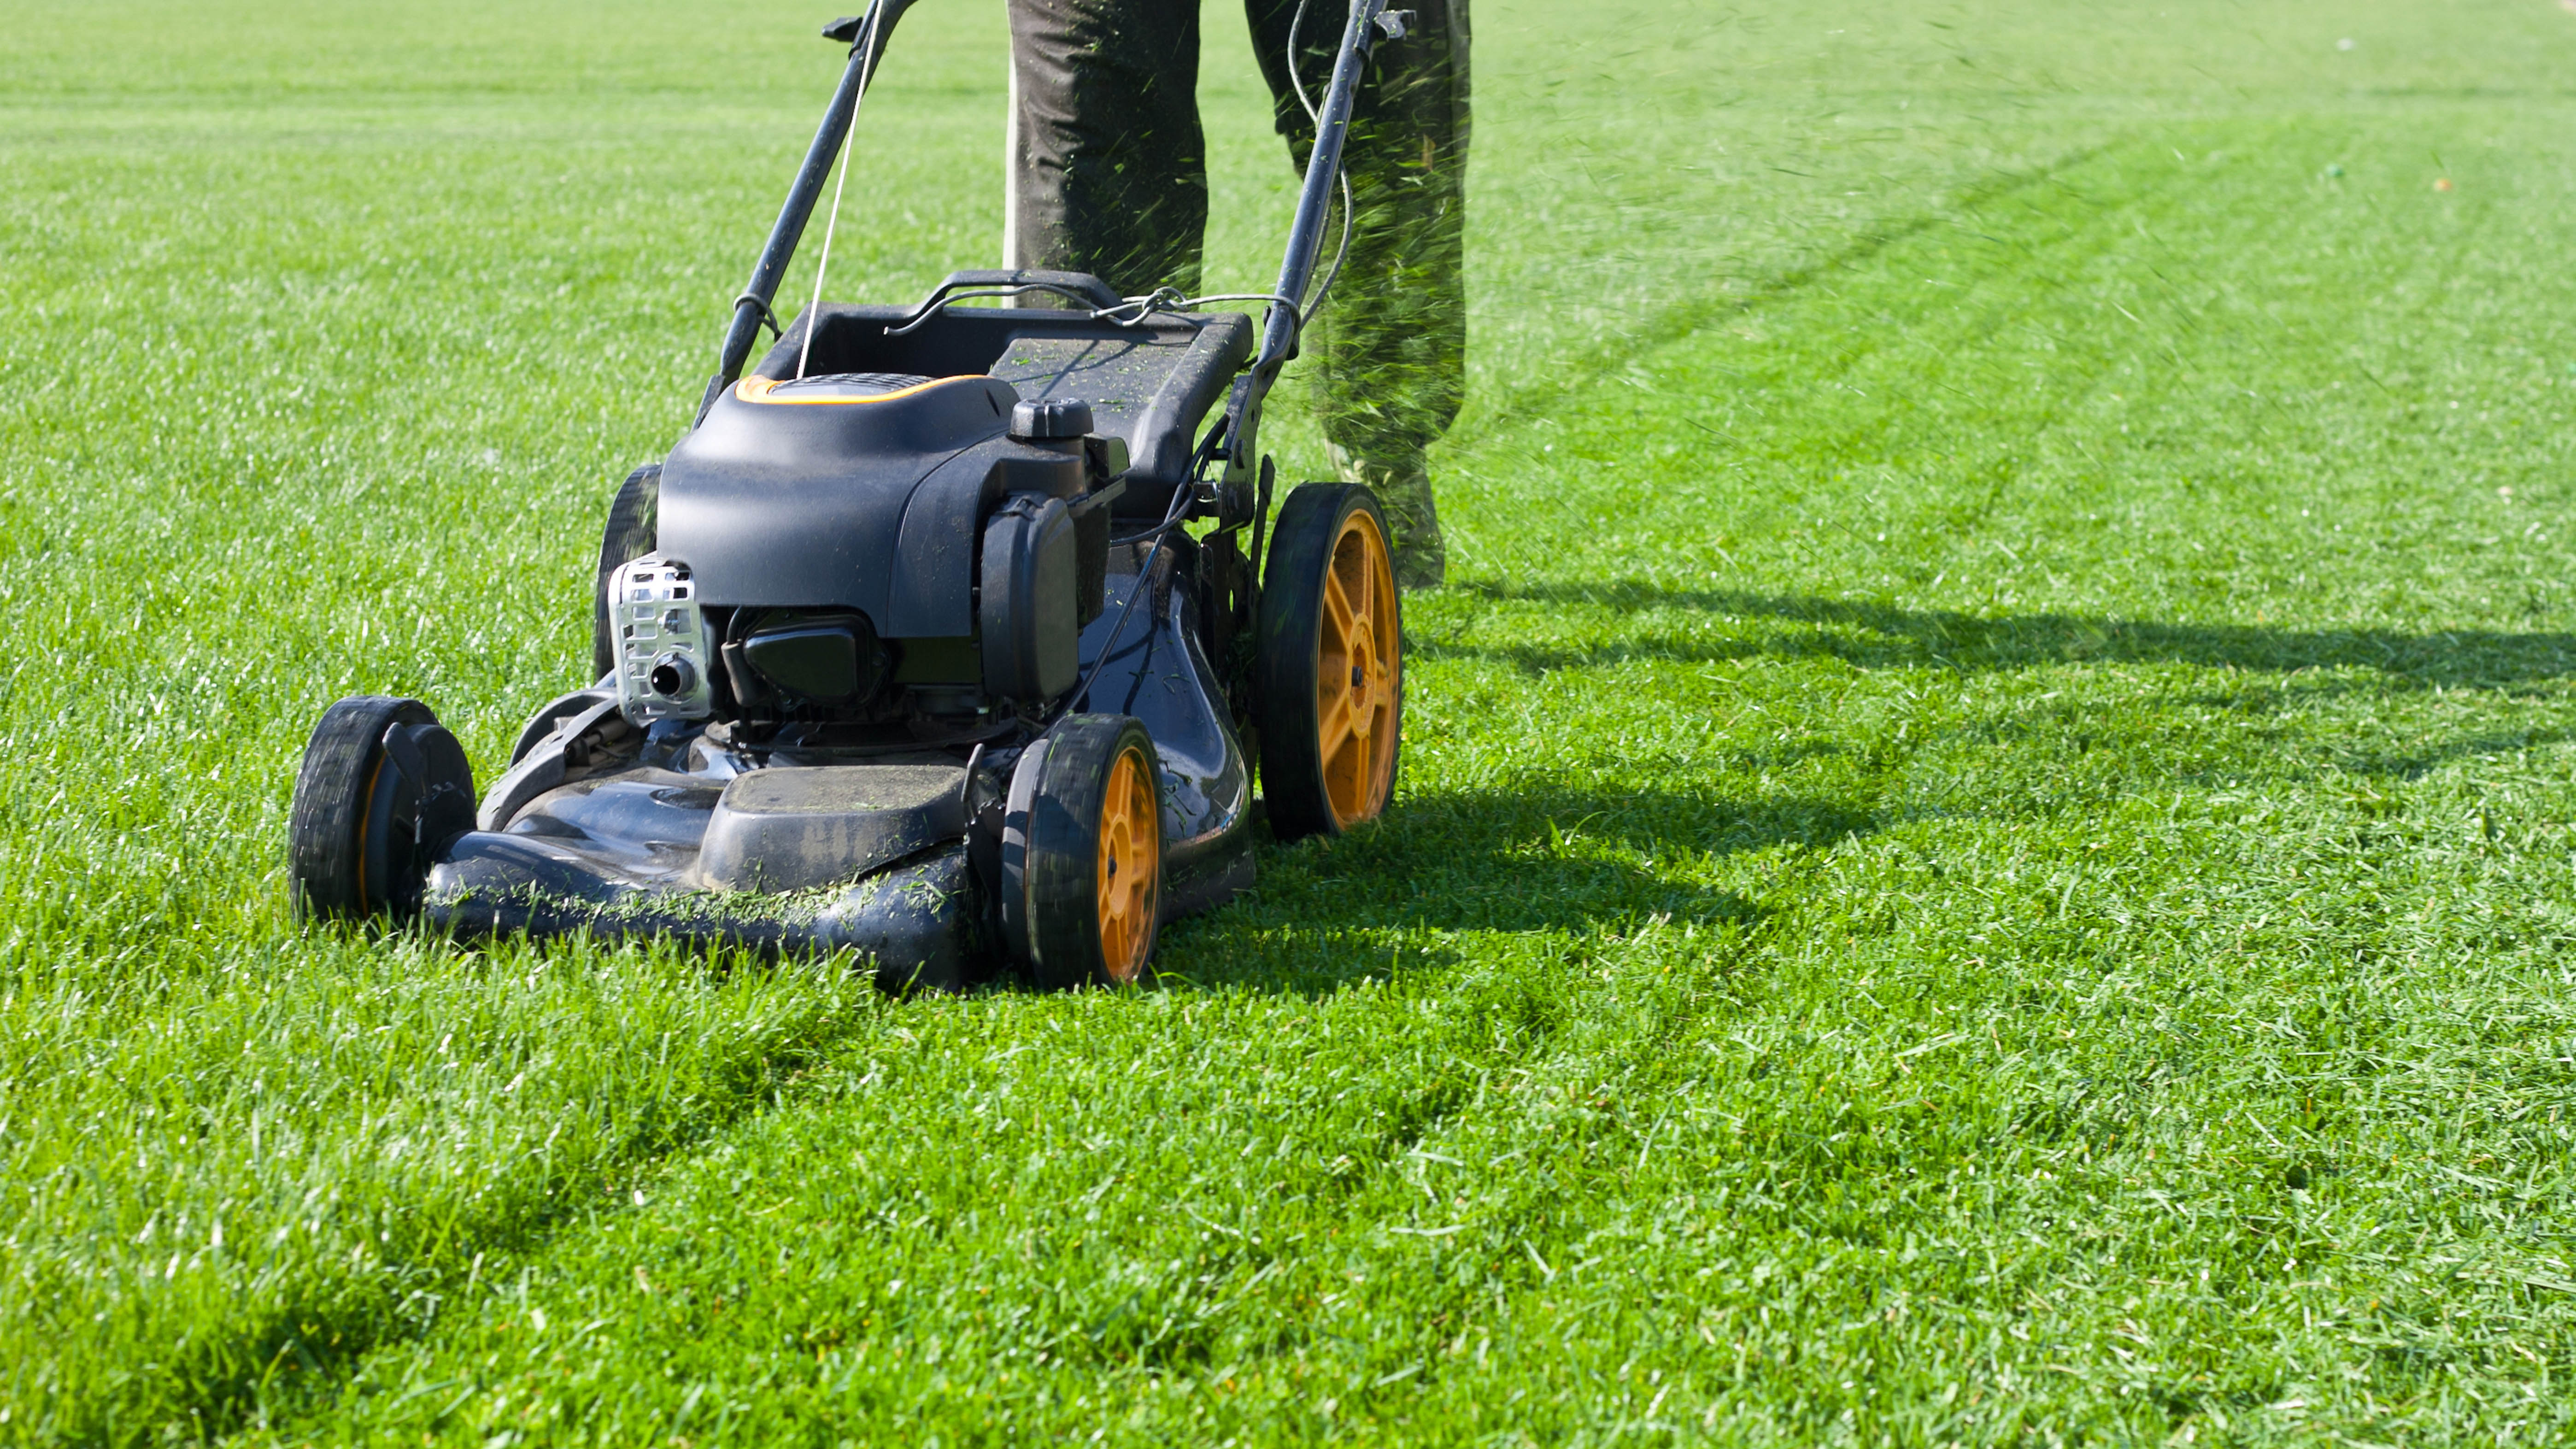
[[1985, 835]]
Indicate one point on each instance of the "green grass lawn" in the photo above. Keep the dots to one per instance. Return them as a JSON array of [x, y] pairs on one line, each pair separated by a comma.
[[1983, 856]]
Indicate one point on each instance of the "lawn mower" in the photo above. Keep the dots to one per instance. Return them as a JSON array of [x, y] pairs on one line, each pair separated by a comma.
[[951, 634]]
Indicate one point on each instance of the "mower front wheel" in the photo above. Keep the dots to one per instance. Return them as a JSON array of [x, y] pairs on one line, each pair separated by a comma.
[[1082, 854], [1331, 664], [382, 789]]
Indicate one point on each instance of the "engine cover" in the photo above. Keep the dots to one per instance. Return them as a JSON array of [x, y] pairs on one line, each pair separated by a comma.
[[834, 493]]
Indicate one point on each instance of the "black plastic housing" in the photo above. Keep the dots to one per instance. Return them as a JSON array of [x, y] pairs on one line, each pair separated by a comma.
[[875, 474], [875, 506], [1028, 610]]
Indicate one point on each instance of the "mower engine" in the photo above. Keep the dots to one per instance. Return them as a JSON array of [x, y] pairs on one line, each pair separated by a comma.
[[956, 600]]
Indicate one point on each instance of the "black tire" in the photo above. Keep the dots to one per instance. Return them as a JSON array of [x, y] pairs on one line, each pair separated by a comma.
[[382, 789], [1329, 675], [1082, 854], [634, 530]]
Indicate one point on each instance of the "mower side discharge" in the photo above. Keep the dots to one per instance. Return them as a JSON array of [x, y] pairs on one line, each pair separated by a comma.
[[938, 638]]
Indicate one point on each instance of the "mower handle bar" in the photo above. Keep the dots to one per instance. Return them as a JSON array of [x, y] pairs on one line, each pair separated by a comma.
[[1072, 286], [1369, 21]]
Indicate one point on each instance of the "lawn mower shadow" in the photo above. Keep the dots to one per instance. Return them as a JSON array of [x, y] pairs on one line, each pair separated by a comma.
[[1872, 636], [1329, 913]]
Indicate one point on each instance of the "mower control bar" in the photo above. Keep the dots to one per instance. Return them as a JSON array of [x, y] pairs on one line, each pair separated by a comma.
[[752, 307], [1368, 24]]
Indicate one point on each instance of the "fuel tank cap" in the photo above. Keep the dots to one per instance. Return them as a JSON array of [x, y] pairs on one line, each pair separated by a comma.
[[1050, 419]]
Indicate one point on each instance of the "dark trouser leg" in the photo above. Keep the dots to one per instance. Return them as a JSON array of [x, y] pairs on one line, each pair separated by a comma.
[[1390, 345], [1108, 168]]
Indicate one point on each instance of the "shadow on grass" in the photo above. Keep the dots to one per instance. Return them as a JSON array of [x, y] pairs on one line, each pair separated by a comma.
[[1882, 637], [2417, 763], [1515, 861]]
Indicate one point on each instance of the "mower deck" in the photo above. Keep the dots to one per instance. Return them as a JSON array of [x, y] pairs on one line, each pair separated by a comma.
[[789, 848]]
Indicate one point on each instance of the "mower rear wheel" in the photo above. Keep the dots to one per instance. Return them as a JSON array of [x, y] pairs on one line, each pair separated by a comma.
[[1089, 877], [382, 789], [1331, 664], [634, 530]]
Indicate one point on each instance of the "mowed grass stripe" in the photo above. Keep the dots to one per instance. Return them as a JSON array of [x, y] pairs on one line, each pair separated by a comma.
[[2006, 1017]]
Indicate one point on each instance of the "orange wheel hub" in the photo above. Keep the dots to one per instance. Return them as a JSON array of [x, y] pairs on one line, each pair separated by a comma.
[[1359, 675], [1131, 847]]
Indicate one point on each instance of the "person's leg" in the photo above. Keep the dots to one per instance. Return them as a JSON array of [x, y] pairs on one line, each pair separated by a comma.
[[1108, 167], [1390, 344]]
